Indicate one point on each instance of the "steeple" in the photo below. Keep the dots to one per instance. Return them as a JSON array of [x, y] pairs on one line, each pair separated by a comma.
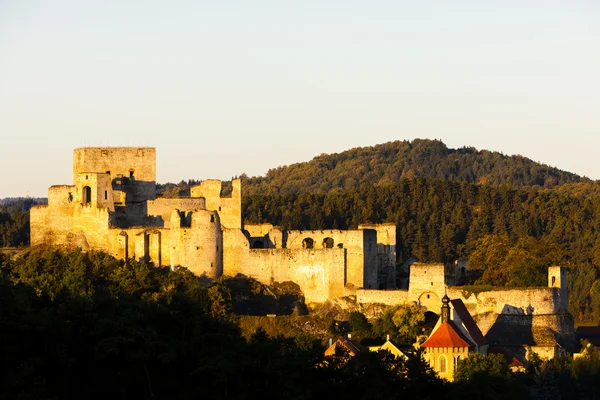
[[445, 308]]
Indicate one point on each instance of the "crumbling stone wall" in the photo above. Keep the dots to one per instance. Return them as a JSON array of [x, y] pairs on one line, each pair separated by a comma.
[[361, 251], [386, 254], [229, 208]]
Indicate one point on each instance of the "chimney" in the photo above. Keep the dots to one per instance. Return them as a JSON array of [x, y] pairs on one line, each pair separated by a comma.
[[387, 337], [330, 342]]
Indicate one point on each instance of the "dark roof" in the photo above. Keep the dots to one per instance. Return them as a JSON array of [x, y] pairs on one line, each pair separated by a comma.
[[351, 345], [468, 322], [510, 357], [447, 335], [590, 333]]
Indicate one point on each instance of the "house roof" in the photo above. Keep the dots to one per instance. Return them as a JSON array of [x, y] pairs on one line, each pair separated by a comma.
[[447, 335], [468, 322], [353, 347], [510, 356]]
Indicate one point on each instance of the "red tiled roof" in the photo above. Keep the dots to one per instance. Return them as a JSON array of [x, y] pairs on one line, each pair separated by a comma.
[[446, 335], [468, 321]]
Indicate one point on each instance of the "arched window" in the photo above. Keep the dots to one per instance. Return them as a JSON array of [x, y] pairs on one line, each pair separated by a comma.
[[328, 243], [308, 243], [442, 363], [87, 195]]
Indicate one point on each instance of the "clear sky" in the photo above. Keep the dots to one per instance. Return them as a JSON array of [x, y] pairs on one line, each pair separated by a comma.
[[224, 87]]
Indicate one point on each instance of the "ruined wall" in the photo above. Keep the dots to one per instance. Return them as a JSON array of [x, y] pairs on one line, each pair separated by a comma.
[[519, 301], [258, 230], [265, 236], [318, 272], [162, 207], [229, 208], [361, 251], [387, 297], [144, 244], [132, 170], [427, 285], [386, 254], [74, 216]]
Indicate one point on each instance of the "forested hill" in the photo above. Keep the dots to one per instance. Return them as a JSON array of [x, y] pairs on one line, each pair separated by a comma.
[[390, 162]]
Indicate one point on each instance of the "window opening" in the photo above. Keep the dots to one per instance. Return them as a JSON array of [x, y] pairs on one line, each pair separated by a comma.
[[87, 194], [308, 243], [328, 243], [442, 363]]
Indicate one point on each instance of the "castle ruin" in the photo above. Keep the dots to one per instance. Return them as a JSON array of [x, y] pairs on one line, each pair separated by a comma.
[[112, 206]]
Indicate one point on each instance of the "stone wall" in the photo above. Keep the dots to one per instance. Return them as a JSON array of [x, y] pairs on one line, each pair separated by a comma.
[[199, 245], [387, 297], [518, 301], [162, 207], [318, 272], [361, 251], [229, 208], [137, 163], [386, 254]]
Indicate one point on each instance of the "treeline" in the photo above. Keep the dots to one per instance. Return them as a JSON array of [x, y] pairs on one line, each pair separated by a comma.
[[14, 220], [79, 325], [390, 162]]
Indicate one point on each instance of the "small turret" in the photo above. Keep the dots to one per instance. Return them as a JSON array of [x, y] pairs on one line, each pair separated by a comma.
[[445, 308]]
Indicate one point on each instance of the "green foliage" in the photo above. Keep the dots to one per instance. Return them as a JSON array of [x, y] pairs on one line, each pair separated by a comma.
[[420, 159], [586, 372], [359, 325], [14, 221], [479, 366], [402, 322], [523, 264], [468, 290]]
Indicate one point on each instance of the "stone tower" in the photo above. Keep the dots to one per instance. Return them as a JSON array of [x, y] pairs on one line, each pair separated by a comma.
[[557, 278]]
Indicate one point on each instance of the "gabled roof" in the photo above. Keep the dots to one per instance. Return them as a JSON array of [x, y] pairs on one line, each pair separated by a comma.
[[447, 335], [353, 348], [468, 322]]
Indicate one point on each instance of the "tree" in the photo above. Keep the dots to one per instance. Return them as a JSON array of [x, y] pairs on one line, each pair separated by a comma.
[[479, 366], [359, 324]]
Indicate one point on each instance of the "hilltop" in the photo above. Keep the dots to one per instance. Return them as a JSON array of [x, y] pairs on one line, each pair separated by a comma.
[[422, 158]]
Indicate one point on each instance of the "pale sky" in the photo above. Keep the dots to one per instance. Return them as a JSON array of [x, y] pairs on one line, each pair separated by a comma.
[[224, 87]]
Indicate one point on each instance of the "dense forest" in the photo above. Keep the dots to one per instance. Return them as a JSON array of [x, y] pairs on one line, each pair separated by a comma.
[[77, 325], [14, 220], [390, 162]]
